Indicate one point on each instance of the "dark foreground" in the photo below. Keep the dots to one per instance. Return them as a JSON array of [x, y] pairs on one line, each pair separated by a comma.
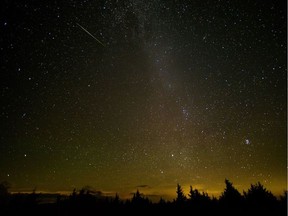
[[106, 208], [256, 201]]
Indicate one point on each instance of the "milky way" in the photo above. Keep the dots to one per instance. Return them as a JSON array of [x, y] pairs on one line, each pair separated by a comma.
[[163, 92]]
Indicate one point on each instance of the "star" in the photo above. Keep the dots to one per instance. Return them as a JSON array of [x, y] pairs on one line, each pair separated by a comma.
[[247, 142]]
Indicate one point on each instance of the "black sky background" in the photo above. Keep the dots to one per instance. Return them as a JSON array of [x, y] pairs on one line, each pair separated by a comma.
[[182, 91]]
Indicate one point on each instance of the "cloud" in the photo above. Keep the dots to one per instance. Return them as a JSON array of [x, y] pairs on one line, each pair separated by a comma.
[[142, 186]]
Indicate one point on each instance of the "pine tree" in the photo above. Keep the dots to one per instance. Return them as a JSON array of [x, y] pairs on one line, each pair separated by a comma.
[[181, 198], [259, 194], [230, 194]]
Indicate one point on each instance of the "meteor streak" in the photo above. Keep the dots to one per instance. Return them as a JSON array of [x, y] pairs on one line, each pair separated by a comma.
[[90, 34]]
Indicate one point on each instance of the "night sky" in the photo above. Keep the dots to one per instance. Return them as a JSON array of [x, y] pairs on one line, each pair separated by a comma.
[[144, 94]]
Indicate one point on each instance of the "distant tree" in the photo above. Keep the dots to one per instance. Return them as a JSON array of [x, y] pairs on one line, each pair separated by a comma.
[[4, 187], [259, 195], [283, 198], [136, 196], [231, 194], [193, 194], [4, 192], [162, 201], [58, 199], [32, 198], [181, 198], [196, 196], [205, 196], [284, 201], [87, 190], [73, 195], [116, 199], [138, 199]]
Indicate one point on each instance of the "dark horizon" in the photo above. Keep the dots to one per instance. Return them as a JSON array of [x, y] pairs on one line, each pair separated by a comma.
[[256, 200], [111, 194]]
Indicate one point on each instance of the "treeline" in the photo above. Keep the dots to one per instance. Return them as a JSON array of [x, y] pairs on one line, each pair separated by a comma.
[[257, 200]]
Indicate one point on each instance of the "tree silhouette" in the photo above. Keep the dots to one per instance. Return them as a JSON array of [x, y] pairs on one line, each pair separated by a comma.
[[32, 198], [86, 190], [256, 201], [260, 201], [136, 196], [193, 194], [161, 201], [181, 198], [196, 197], [259, 195], [4, 193], [138, 199], [283, 202], [116, 199], [283, 198], [231, 194]]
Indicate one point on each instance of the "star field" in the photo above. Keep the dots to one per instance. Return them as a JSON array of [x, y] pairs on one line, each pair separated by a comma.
[[117, 94]]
